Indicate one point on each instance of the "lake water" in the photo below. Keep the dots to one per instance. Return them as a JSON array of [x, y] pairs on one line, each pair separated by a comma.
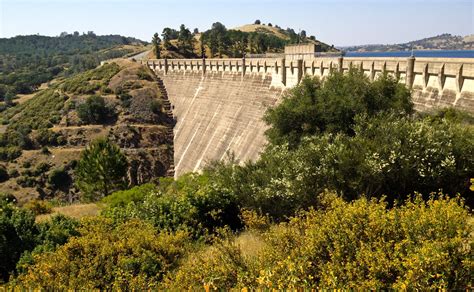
[[421, 54]]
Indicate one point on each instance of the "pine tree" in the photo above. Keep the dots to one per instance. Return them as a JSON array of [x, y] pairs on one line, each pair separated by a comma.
[[101, 170], [156, 41]]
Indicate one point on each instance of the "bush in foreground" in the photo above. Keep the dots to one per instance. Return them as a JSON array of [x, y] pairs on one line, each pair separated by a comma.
[[363, 245], [132, 255]]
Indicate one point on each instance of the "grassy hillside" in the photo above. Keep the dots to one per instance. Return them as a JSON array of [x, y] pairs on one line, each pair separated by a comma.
[[264, 29], [219, 41], [288, 35], [45, 134]]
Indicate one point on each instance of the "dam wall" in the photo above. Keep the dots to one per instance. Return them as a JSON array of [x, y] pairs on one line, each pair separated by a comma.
[[217, 113], [219, 103]]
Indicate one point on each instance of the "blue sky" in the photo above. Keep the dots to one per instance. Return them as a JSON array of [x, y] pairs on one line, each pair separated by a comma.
[[338, 22]]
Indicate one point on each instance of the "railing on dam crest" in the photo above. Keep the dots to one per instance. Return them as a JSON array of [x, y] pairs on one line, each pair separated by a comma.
[[431, 78]]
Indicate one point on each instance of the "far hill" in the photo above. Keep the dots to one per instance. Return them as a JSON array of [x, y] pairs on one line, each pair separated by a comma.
[[219, 41], [288, 34], [28, 61], [440, 42]]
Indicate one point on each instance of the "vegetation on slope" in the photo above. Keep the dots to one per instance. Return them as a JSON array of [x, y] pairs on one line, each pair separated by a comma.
[[28, 61], [45, 109], [42, 138], [361, 244], [219, 41]]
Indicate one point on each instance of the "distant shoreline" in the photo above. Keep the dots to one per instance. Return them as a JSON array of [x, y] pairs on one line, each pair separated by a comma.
[[418, 50], [416, 53]]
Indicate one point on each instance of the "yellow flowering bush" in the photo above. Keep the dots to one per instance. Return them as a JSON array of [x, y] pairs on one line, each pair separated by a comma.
[[221, 265], [361, 244], [364, 244], [131, 255]]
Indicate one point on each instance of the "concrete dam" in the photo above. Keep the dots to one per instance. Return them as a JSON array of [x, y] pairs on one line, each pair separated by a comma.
[[219, 103]]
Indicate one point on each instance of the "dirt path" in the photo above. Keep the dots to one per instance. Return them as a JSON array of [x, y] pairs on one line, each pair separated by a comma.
[[58, 128]]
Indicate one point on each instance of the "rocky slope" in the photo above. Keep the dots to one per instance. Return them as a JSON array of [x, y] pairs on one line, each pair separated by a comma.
[[141, 125]]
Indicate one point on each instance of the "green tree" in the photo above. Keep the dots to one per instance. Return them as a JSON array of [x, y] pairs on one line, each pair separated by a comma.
[[156, 41], [59, 178], [303, 36], [216, 39], [315, 107], [17, 234], [202, 45], [101, 170], [185, 40], [3, 174], [168, 34]]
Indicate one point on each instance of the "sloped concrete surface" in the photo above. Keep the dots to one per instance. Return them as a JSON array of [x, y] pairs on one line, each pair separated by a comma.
[[218, 114]]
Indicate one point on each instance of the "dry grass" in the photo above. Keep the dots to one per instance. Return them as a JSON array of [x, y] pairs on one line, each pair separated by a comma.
[[469, 38], [75, 211], [254, 27], [250, 243]]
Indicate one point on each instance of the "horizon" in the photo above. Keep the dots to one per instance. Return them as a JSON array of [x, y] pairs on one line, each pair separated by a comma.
[[395, 22]]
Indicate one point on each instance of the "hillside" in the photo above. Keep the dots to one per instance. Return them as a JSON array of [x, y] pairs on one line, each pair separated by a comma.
[[221, 42], [288, 35], [439, 42], [45, 135], [264, 29], [28, 61]]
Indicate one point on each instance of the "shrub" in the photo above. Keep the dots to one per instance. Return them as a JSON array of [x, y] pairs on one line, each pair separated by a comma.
[[46, 137], [13, 173], [215, 267], [59, 178], [126, 99], [51, 234], [4, 176], [6, 198], [26, 181], [17, 234], [135, 194], [131, 255], [387, 155], [156, 106], [94, 110], [365, 245], [40, 112], [143, 74], [45, 150], [41, 169], [191, 203], [91, 81], [39, 207], [9, 153], [361, 244]]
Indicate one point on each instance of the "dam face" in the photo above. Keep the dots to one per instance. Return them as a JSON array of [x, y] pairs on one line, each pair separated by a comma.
[[219, 103], [218, 114]]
